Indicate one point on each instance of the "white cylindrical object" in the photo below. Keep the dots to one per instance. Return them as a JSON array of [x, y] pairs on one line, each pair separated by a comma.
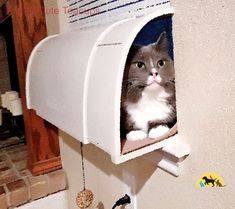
[[4, 100], [11, 95], [16, 107]]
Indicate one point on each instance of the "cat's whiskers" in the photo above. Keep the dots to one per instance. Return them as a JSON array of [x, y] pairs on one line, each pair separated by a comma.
[[172, 82], [136, 84]]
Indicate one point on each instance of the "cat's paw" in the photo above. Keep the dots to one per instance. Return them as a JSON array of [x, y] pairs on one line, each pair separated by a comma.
[[136, 135], [157, 132]]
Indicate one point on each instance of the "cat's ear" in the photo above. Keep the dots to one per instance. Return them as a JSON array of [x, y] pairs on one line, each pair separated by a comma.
[[161, 42]]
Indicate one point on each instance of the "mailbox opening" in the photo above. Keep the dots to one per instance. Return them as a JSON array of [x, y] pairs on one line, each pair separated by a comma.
[[148, 35]]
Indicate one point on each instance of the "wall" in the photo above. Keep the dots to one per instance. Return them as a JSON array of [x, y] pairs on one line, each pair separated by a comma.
[[204, 48], [55, 11]]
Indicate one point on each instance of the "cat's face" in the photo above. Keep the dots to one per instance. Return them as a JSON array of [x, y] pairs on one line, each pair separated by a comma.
[[149, 66]]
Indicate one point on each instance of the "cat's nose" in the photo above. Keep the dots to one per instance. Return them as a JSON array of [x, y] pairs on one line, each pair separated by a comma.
[[153, 72]]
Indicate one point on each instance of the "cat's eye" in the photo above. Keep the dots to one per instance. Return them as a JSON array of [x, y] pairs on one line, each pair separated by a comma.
[[161, 63], [140, 65]]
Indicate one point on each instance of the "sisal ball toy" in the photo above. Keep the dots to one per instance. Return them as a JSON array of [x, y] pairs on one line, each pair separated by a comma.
[[84, 198]]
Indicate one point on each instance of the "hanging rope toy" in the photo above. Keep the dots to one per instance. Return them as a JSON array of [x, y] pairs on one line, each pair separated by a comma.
[[84, 198]]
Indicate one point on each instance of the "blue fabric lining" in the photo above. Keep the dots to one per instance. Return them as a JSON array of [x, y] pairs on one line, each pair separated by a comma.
[[151, 31]]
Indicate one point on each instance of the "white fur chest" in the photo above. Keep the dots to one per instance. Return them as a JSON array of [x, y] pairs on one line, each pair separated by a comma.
[[152, 106]]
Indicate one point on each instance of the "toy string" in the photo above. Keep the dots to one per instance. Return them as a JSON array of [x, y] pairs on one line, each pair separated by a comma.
[[83, 168]]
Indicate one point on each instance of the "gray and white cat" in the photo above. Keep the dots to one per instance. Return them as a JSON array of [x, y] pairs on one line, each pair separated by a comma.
[[148, 91]]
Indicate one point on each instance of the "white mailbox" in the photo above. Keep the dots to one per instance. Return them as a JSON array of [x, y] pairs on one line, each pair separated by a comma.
[[74, 81]]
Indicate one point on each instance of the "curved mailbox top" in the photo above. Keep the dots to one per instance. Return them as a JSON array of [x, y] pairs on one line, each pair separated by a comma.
[[55, 78], [74, 81]]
